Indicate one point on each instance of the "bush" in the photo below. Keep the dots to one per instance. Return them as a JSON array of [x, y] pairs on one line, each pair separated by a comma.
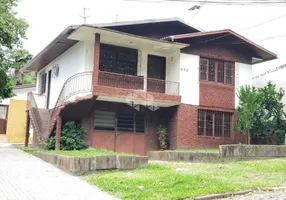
[[71, 138], [280, 136], [163, 137]]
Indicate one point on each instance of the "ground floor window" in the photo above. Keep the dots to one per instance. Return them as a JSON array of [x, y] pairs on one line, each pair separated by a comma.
[[214, 123], [125, 122]]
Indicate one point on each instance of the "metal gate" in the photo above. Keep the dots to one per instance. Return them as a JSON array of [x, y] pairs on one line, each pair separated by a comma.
[[3, 118]]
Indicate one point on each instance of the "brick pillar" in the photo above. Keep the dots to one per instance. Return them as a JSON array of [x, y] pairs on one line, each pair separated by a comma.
[[58, 132], [96, 60]]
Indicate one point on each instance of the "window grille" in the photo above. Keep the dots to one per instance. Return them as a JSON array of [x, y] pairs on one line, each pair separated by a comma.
[[214, 123]]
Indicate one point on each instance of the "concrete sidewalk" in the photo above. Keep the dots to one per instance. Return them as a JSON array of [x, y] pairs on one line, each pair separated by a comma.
[[25, 177]]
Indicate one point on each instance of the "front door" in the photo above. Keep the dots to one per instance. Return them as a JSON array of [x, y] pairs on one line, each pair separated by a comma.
[[49, 88], [3, 118], [156, 74]]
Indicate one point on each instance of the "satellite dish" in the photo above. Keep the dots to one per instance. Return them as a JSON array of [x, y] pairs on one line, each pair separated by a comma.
[[55, 71]]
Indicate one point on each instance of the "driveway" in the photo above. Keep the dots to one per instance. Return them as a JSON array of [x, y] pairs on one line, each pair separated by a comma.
[[25, 177]]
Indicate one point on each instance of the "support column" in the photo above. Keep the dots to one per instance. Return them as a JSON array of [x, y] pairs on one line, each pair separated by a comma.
[[58, 133], [27, 136], [96, 60]]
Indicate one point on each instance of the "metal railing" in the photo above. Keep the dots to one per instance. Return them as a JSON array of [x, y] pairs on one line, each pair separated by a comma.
[[120, 80], [76, 84], [138, 83]]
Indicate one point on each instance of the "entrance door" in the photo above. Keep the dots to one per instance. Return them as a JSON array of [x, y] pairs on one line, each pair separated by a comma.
[[156, 74], [49, 88], [3, 118]]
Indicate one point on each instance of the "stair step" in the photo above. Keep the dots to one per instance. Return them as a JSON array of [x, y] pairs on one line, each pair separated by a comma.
[[3, 139]]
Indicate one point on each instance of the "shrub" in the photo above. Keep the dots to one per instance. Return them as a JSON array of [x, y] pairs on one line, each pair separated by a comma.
[[280, 136], [163, 137], [71, 138]]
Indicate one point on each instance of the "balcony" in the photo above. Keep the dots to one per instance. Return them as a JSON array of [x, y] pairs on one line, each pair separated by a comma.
[[138, 83], [119, 87]]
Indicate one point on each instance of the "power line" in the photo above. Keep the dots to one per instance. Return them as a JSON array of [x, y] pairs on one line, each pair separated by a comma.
[[266, 22], [219, 2]]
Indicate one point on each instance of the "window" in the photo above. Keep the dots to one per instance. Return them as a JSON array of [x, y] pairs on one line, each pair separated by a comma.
[[43, 77], [203, 69], [214, 123], [228, 73], [3, 112], [130, 123], [216, 71], [118, 59], [212, 70], [220, 72], [125, 122], [104, 120]]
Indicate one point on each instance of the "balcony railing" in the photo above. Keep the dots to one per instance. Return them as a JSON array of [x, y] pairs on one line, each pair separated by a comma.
[[138, 83]]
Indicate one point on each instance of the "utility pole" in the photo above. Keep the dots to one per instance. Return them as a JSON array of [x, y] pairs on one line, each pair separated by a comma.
[[84, 16]]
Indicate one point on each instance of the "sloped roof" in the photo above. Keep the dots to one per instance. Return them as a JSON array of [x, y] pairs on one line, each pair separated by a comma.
[[225, 37]]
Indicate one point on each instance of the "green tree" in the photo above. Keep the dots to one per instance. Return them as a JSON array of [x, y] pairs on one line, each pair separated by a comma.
[[16, 59], [260, 110], [247, 108], [12, 31]]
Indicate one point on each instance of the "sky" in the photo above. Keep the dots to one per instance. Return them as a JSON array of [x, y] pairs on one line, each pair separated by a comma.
[[48, 18]]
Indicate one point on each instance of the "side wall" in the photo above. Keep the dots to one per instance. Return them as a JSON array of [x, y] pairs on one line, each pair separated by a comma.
[[189, 79], [243, 76], [70, 62]]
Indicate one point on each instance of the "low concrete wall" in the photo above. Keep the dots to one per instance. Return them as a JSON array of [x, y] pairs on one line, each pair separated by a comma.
[[183, 156], [252, 151], [79, 166]]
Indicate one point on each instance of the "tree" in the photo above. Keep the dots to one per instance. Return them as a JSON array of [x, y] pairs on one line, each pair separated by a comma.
[[16, 59], [12, 31], [261, 110], [248, 106]]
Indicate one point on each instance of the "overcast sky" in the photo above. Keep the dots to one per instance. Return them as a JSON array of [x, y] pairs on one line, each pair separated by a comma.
[[47, 18]]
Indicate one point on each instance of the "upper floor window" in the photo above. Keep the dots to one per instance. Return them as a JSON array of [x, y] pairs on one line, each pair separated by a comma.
[[216, 71], [118, 59]]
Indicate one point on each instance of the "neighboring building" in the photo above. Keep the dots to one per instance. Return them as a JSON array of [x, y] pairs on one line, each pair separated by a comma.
[[122, 80], [13, 117]]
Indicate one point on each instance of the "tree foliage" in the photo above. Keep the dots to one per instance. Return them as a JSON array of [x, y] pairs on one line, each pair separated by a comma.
[[12, 31], [260, 110]]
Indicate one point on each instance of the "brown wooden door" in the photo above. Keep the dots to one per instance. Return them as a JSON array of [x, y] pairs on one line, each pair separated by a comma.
[[156, 74], [3, 118]]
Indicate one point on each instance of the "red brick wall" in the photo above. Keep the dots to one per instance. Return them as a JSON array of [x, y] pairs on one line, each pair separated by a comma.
[[130, 143], [103, 140], [217, 95], [186, 131]]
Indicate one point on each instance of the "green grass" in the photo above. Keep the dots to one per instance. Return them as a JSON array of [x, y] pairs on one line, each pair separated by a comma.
[[86, 153], [199, 150], [27, 149], [185, 180]]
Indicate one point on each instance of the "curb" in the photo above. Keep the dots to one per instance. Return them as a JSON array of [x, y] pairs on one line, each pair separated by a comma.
[[223, 195]]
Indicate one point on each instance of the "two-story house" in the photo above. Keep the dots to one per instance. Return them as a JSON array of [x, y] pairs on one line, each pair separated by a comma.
[[122, 80]]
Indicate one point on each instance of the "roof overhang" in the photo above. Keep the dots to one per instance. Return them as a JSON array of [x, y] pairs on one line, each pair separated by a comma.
[[107, 36], [177, 20], [59, 45], [228, 39]]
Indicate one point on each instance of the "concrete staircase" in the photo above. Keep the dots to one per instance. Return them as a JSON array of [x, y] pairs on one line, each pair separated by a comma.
[[3, 139]]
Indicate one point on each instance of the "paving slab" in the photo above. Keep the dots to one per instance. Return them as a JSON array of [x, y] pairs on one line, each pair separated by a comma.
[[26, 177]]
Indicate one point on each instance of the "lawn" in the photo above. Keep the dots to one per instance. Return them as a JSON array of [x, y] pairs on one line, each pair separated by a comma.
[[186, 180], [80, 153], [86, 153], [199, 150]]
